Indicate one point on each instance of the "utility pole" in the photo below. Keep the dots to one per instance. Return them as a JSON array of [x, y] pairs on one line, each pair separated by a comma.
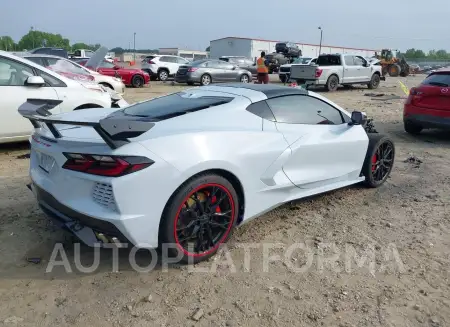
[[32, 35], [134, 40], [320, 44]]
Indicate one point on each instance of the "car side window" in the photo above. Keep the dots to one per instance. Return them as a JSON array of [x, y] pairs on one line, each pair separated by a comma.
[[170, 59], [349, 60], [302, 109], [50, 80], [213, 64], [359, 61], [106, 64], [182, 61], [37, 60], [226, 65], [13, 73]]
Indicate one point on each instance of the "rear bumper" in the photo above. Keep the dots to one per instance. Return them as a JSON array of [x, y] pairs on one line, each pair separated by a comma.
[[187, 78], [428, 121], [427, 118], [90, 230]]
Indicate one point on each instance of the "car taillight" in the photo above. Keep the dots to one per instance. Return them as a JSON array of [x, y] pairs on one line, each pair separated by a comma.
[[414, 95], [318, 72], [112, 166], [192, 69]]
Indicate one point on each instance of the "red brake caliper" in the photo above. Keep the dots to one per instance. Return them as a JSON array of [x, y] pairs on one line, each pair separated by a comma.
[[374, 162], [213, 200]]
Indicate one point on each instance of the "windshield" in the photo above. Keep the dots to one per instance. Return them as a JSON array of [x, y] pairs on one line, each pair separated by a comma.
[[61, 65], [329, 60], [302, 60]]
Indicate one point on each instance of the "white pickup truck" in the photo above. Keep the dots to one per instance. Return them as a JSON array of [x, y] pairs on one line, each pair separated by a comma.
[[86, 54], [285, 70], [332, 70]]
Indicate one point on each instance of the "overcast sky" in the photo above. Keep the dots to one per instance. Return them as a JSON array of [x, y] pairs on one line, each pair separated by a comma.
[[191, 24]]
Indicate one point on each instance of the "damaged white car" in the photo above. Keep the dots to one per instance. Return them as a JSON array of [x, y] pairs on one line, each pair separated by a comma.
[[22, 80], [75, 71]]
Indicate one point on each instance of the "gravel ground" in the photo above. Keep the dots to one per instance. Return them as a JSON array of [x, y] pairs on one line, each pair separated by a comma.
[[399, 233]]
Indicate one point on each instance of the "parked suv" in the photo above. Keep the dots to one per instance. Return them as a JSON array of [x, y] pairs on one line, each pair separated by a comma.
[[60, 52], [161, 66], [288, 48], [241, 62]]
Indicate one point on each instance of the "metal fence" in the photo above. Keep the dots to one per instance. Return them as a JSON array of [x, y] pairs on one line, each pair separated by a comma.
[[429, 62]]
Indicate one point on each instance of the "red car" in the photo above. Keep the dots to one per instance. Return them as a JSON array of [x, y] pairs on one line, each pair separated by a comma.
[[428, 105], [130, 76]]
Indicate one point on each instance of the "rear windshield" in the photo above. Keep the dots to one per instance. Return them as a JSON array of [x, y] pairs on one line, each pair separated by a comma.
[[148, 58], [438, 79], [329, 60], [173, 105]]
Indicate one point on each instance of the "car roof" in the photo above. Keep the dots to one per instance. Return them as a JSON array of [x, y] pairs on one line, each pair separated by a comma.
[[37, 55], [269, 90]]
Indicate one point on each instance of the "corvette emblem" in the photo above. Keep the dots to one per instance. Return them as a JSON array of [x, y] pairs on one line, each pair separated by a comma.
[[445, 90]]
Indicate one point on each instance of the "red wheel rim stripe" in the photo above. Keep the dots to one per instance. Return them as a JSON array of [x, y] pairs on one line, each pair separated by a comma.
[[223, 188]]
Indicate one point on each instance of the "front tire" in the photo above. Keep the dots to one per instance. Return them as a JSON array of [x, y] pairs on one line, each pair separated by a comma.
[[379, 160], [332, 83], [163, 75], [245, 78], [199, 217], [374, 82], [137, 81]]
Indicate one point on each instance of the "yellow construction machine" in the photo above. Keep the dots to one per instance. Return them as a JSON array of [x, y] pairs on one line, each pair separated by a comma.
[[391, 63]]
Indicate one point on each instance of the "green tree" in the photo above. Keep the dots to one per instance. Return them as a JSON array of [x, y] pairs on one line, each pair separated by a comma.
[[7, 43], [414, 54], [81, 45], [442, 54], [36, 39]]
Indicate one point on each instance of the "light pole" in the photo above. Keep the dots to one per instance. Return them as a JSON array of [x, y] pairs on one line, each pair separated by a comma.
[[134, 46], [320, 44], [32, 34]]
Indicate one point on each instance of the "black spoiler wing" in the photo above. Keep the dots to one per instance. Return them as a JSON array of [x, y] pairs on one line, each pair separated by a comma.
[[114, 129]]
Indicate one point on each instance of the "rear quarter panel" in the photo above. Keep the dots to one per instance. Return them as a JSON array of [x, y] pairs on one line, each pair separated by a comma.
[[231, 139]]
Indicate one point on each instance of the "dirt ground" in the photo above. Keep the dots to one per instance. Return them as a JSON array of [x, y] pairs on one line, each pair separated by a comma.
[[404, 281]]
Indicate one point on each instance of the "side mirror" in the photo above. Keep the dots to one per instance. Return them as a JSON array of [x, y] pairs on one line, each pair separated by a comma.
[[35, 81], [116, 67], [234, 68], [358, 118]]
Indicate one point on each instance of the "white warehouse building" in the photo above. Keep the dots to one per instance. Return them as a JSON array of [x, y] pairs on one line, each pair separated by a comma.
[[251, 48]]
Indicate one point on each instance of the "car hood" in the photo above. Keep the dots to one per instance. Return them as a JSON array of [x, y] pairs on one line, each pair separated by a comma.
[[373, 61], [97, 58]]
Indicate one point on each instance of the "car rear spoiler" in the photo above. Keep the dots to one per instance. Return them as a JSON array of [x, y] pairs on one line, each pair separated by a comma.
[[114, 129]]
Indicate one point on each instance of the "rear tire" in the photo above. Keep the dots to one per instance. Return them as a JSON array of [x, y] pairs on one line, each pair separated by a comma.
[[332, 83], [283, 78], [205, 79], [412, 128], [203, 218], [379, 160]]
